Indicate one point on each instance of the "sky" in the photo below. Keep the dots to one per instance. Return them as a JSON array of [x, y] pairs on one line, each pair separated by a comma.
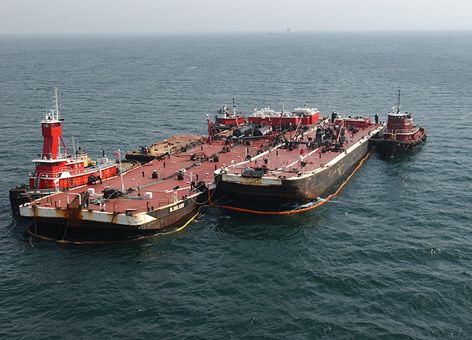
[[170, 16]]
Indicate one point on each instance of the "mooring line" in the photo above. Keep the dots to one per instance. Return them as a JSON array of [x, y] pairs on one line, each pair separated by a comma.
[[293, 211], [227, 207], [90, 242]]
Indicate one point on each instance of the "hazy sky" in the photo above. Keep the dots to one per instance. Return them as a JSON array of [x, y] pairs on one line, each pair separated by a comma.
[[88, 16]]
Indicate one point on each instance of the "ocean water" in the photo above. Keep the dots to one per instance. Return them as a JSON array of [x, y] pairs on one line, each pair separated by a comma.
[[390, 257]]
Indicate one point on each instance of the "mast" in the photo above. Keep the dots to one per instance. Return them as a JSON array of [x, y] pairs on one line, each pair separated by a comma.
[[281, 115], [210, 132], [74, 149], [121, 171], [398, 105], [234, 113], [56, 100], [52, 131]]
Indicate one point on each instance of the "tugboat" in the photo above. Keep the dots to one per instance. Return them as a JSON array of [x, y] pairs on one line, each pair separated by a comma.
[[58, 171], [400, 134], [229, 118]]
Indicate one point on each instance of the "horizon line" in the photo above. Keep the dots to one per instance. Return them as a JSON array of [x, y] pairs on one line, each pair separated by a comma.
[[284, 32]]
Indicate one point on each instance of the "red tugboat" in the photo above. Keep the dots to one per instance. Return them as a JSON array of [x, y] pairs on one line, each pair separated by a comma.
[[227, 117], [400, 134], [57, 171]]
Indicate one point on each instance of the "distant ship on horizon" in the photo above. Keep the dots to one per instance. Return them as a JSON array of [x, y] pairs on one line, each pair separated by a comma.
[[287, 30]]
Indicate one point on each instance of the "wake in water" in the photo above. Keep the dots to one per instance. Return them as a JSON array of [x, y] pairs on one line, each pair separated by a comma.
[[309, 204]]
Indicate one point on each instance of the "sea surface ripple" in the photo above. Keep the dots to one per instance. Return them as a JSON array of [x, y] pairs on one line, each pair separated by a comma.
[[391, 257]]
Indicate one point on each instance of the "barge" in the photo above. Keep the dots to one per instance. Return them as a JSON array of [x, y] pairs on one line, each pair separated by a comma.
[[158, 196], [161, 149], [301, 169], [281, 158], [226, 121]]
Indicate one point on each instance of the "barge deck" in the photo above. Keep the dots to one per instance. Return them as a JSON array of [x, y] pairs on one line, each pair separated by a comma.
[[299, 172], [158, 196]]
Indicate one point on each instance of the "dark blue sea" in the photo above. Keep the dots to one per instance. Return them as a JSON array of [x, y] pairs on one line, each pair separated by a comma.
[[391, 257]]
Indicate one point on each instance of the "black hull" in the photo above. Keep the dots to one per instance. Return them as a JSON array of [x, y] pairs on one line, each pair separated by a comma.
[[71, 226], [21, 195], [142, 158], [77, 231], [295, 191], [389, 147]]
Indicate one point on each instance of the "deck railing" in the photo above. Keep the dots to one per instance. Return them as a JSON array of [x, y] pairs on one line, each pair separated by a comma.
[[401, 131], [87, 170]]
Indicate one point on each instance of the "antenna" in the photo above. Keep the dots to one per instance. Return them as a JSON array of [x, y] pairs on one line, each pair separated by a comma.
[[210, 132], [56, 102], [121, 171], [56, 99], [234, 108], [74, 150], [399, 96]]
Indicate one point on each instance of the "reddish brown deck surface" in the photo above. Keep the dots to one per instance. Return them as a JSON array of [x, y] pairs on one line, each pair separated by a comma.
[[170, 145], [281, 162], [286, 162], [162, 190]]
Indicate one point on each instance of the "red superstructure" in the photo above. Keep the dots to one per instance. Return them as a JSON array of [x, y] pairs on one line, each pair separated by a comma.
[[56, 169], [303, 116], [400, 134], [61, 170], [400, 128], [227, 117]]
